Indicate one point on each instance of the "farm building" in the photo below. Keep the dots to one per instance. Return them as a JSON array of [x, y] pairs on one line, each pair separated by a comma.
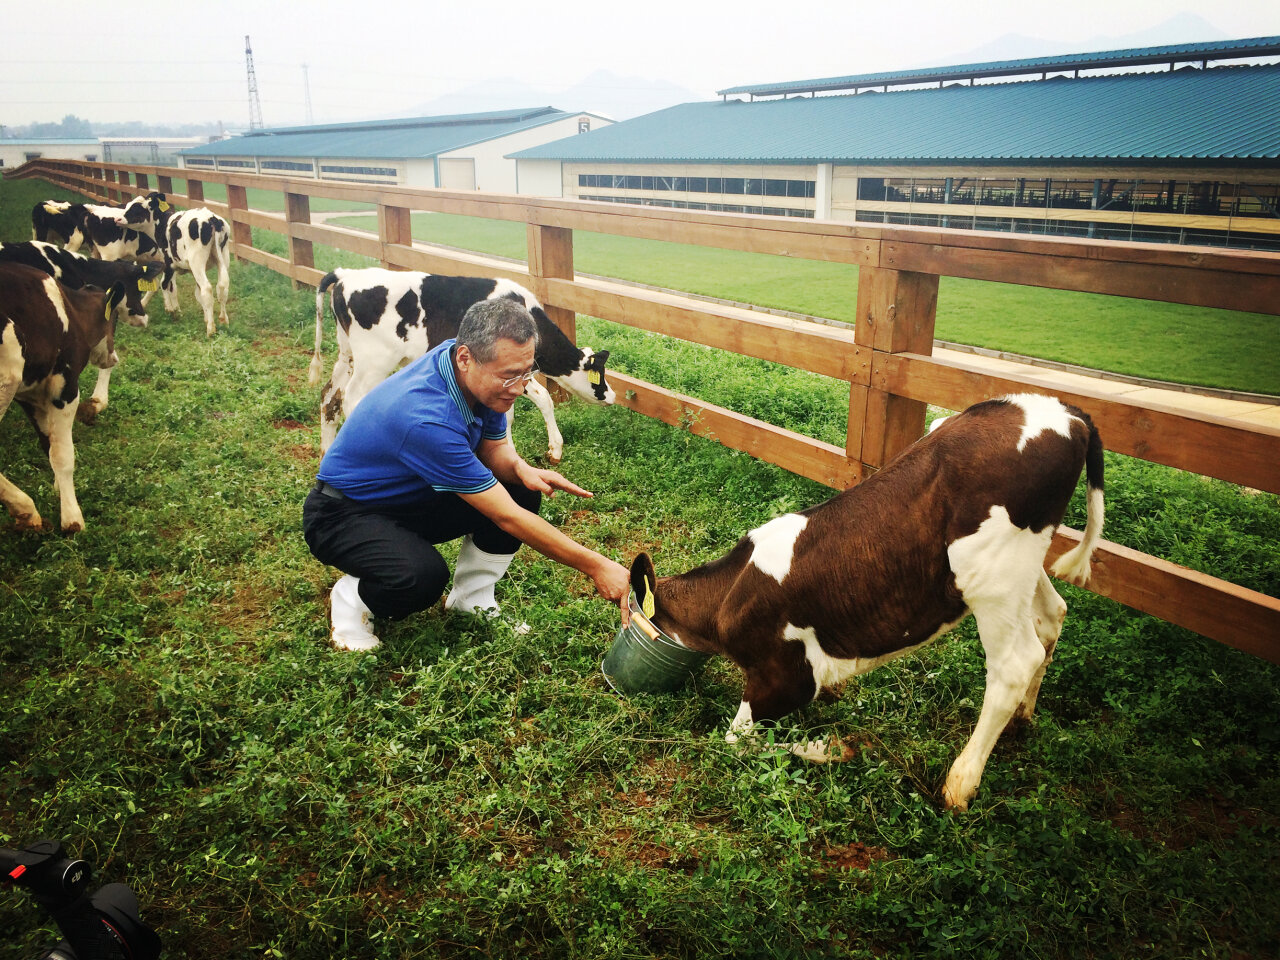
[[1184, 147], [456, 152], [154, 150], [14, 153]]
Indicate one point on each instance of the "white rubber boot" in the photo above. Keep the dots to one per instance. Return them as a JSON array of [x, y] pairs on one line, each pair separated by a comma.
[[474, 579], [352, 621]]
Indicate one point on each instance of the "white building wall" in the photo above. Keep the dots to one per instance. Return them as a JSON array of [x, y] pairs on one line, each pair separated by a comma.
[[420, 173], [497, 174], [539, 178], [13, 153]]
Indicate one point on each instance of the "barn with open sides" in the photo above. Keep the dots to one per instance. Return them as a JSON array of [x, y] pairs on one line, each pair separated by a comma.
[[456, 152], [1183, 147]]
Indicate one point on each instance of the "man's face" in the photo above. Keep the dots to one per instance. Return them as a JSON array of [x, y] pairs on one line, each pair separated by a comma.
[[498, 383]]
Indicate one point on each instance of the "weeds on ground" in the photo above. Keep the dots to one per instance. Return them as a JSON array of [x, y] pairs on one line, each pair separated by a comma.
[[170, 707]]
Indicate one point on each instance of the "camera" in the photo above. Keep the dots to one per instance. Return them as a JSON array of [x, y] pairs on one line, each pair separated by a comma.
[[100, 926]]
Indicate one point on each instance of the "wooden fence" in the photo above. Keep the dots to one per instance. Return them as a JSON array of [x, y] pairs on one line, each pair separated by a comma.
[[886, 359]]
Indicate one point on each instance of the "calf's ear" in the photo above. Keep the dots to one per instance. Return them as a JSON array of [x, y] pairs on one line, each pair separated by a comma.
[[644, 581], [600, 358], [115, 293]]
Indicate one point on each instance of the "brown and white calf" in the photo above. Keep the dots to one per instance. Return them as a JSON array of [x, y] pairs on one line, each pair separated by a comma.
[[389, 317], [74, 271], [958, 523], [47, 335], [190, 240]]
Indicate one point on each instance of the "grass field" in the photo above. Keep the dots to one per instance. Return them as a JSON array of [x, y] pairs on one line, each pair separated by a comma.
[[170, 708]]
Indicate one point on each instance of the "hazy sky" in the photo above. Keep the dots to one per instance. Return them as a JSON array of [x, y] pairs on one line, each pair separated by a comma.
[[178, 61]]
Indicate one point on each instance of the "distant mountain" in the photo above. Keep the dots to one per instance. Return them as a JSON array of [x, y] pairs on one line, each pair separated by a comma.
[[602, 92], [1182, 28]]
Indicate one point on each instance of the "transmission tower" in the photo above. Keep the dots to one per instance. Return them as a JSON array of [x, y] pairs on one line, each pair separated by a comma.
[[255, 105], [306, 82]]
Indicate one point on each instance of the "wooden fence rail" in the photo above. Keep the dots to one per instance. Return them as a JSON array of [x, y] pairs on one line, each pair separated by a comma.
[[886, 359]]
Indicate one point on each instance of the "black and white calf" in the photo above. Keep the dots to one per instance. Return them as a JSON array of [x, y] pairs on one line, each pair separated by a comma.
[[52, 221], [75, 271], [388, 317], [47, 335], [190, 240], [958, 523], [108, 236]]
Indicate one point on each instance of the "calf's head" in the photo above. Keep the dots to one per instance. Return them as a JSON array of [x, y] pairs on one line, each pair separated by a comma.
[[103, 333], [588, 380], [146, 280], [144, 212], [663, 614]]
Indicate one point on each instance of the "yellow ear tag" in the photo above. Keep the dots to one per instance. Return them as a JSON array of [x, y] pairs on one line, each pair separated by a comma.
[[164, 207], [106, 312], [593, 377], [647, 604], [147, 286]]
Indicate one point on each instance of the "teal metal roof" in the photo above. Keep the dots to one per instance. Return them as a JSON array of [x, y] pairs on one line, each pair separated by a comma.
[[381, 139], [1108, 59], [1225, 113]]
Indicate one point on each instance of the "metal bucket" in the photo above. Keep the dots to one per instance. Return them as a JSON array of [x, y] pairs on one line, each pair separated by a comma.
[[643, 659]]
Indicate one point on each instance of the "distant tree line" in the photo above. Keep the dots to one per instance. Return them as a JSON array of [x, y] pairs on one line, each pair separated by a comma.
[[73, 127]]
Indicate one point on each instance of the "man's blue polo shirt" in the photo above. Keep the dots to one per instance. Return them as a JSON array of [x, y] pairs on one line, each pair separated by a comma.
[[413, 437]]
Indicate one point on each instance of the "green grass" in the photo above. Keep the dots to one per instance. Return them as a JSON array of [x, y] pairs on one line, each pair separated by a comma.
[[169, 706], [1195, 345]]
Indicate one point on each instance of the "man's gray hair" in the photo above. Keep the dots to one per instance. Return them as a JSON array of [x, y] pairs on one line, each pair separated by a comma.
[[489, 321]]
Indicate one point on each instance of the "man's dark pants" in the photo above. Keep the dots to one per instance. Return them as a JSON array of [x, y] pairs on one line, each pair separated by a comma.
[[391, 549]]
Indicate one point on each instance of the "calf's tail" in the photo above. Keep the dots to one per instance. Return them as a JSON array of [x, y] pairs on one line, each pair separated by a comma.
[[313, 373], [1075, 565]]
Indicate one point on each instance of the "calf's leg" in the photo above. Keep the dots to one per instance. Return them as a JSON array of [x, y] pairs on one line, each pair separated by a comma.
[[542, 400], [333, 396], [53, 424], [97, 402], [772, 691], [1014, 654], [224, 287], [20, 506], [204, 293], [1048, 611]]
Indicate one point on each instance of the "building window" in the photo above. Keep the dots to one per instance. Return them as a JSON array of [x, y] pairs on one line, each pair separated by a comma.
[[287, 165], [695, 205], [31, 156], [198, 161], [799, 189], [236, 163], [361, 171]]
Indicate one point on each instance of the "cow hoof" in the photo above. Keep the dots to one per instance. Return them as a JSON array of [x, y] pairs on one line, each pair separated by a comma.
[[31, 523], [554, 456], [87, 413], [952, 804], [71, 528]]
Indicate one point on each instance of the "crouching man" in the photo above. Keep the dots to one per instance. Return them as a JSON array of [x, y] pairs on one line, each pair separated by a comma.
[[423, 460]]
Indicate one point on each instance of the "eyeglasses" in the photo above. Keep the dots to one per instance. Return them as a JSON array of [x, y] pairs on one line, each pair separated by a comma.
[[523, 378]]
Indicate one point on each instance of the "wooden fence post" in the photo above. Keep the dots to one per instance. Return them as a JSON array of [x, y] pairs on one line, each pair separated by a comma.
[[551, 255], [297, 209], [394, 227], [237, 201], [113, 195], [897, 311]]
